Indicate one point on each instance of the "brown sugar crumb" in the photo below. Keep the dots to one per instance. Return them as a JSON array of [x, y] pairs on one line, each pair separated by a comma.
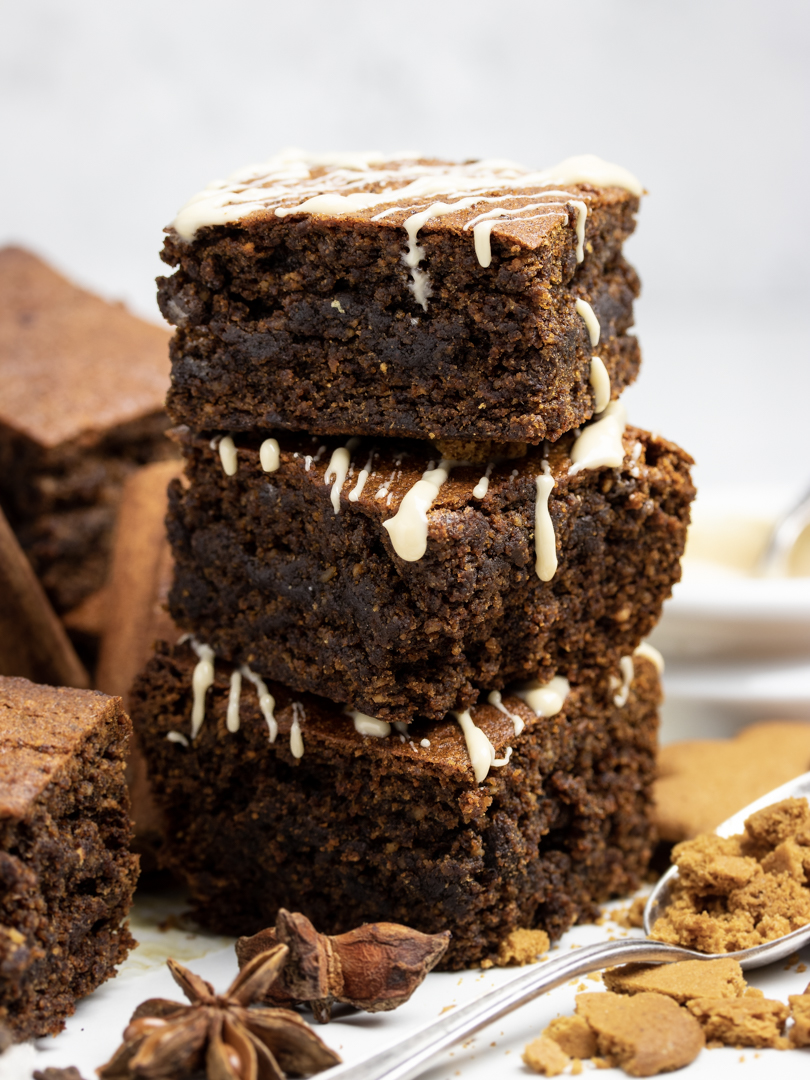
[[576, 1067], [800, 1014], [521, 947], [747, 1021], [632, 916], [573, 1035], [740, 891], [544, 1056], [645, 1034], [682, 981]]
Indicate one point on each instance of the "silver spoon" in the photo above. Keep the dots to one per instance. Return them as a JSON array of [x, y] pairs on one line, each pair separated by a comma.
[[774, 560], [409, 1058]]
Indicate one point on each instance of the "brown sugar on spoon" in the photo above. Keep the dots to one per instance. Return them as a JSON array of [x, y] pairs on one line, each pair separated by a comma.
[[737, 892]]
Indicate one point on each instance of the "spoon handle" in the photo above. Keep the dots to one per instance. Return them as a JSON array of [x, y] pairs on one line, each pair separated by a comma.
[[409, 1058]]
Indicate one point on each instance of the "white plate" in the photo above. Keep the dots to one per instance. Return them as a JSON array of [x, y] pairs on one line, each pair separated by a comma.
[[94, 1032]]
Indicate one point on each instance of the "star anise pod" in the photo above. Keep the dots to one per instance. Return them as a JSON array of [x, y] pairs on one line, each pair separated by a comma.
[[218, 1036], [375, 967]]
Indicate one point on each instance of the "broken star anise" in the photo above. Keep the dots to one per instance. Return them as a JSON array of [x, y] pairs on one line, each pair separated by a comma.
[[375, 967], [218, 1035]]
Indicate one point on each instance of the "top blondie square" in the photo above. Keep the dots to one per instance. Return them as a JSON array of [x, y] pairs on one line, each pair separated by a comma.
[[355, 294]]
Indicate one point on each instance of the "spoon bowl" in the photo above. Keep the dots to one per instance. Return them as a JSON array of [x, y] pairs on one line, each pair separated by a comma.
[[769, 951]]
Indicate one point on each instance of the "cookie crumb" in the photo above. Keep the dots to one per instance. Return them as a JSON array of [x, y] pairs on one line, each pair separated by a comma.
[[522, 947], [573, 1035], [682, 980], [645, 1033], [747, 1021], [544, 1056]]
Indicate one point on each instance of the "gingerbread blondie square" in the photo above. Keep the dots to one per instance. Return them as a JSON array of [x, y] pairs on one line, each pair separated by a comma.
[[287, 800], [419, 298], [528, 567]]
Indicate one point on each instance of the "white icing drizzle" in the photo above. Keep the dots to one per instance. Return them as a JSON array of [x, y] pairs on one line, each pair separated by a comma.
[[332, 185], [545, 544], [296, 738], [582, 214], [634, 469], [600, 384], [424, 743], [601, 441], [482, 487], [496, 700], [369, 725], [176, 737], [544, 699], [480, 749], [623, 685], [267, 703], [269, 456], [201, 682], [227, 455], [365, 472], [498, 763], [649, 652], [232, 715], [383, 489], [584, 309], [408, 528], [337, 468]]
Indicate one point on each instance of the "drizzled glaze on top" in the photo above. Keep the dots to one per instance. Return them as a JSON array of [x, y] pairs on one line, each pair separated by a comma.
[[487, 194]]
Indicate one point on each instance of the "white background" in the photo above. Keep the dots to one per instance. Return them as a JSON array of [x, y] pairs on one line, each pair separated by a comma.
[[113, 114]]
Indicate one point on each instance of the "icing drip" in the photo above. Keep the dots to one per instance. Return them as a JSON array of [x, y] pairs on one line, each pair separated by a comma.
[[408, 528], [420, 283], [649, 652], [600, 384], [498, 763], [267, 703], [365, 472], [176, 737], [227, 455], [483, 224], [425, 744], [582, 214], [482, 487], [544, 699], [480, 749], [545, 544], [338, 467], [601, 441], [369, 725], [623, 685], [269, 457], [201, 682], [296, 738], [584, 309], [496, 700], [232, 716]]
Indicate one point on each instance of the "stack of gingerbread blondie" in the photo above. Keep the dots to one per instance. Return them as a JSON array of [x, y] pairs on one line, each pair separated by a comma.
[[417, 548]]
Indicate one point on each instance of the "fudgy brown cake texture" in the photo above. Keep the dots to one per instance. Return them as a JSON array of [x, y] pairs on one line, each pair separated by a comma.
[[313, 322], [66, 872], [391, 829], [266, 572], [82, 384]]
